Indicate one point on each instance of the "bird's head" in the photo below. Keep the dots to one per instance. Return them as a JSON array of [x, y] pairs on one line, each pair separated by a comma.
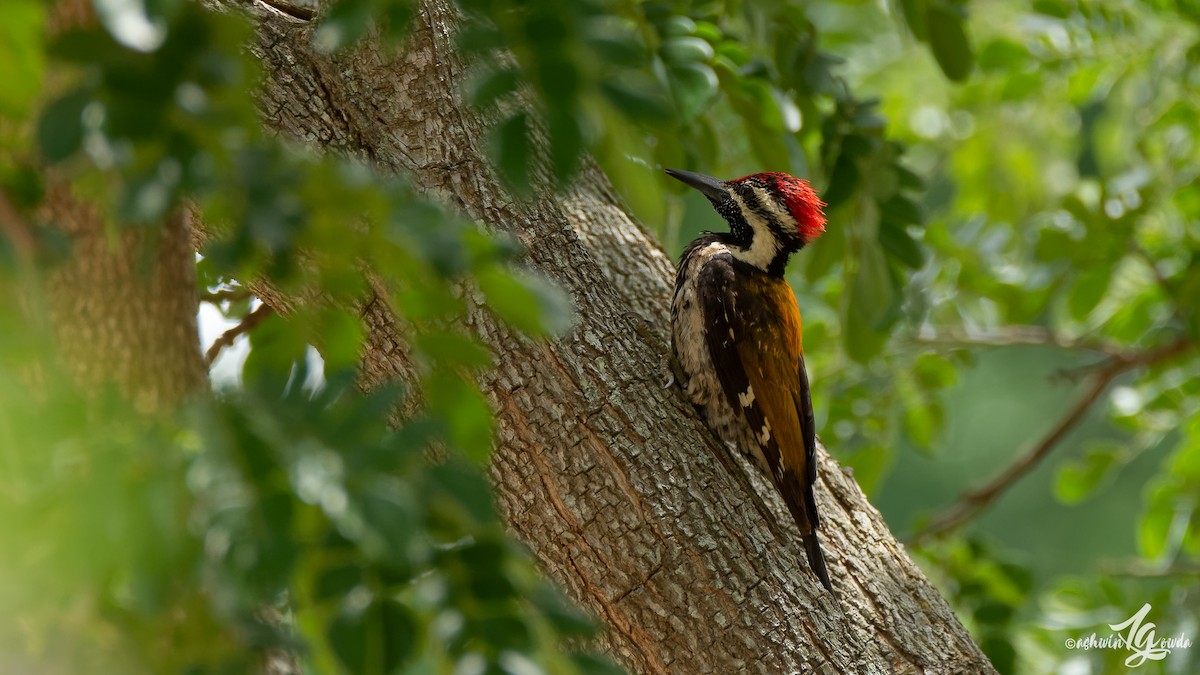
[[769, 210]]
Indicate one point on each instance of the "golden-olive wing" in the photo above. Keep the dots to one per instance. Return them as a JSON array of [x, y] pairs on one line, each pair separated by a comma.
[[754, 341]]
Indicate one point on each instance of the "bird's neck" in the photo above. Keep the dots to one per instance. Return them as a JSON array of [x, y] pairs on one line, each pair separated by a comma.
[[752, 236], [758, 249]]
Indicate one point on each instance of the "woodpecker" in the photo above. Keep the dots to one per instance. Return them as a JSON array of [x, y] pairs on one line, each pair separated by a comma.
[[735, 331]]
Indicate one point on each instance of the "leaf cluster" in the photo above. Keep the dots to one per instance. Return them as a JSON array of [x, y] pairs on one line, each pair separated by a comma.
[[280, 519]]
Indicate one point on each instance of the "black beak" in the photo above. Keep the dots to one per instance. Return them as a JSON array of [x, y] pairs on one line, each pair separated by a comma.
[[713, 188]]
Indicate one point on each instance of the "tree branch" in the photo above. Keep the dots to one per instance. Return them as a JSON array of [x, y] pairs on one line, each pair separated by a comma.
[[975, 501], [252, 321], [225, 295], [1011, 336], [1142, 569], [1159, 278]]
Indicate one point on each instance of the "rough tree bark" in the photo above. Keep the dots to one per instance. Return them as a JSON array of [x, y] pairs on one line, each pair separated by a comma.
[[124, 308], [608, 476]]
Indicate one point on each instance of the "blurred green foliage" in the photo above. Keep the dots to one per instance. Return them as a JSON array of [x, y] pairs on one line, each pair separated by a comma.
[[989, 167], [1061, 195], [278, 519], [1038, 178]]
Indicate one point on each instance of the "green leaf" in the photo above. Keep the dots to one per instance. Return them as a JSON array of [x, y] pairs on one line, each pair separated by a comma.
[[1019, 576], [566, 141], [391, 515], [638, 100], [466, 412], [493, 85], [376, 640], [1088, 290], [994, 613], [902, 210], [907, 178], [480, 37], [762, 104], [914, 16], [336, 582], [513, 152], [344, 25], [592, 664], [23, 186], [530, 305], [900, 244], [340, 339], [616, 46], [867, 306], [1131, 322], [275, 347], [1059, 9], [680, 50], [1185, 465], [60, 129], [92, 46], [1079, 478], [448, 348], [869, 466], [465, 487], [22, 60], [923, 413], [768, 150], [567, 619], [1000, 651], [501, 632], [693, 85], [1020, 86], [1002, 54], [675, 26], [820, 258], [948, 40], [1155, 525], [396, 20], [843, 180]]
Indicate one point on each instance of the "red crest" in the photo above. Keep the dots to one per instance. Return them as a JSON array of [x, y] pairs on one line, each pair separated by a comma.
[[799, 198]]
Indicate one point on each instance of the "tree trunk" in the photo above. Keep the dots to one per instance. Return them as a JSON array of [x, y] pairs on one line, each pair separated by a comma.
[[123, 301], [123, 304], [604, 472]]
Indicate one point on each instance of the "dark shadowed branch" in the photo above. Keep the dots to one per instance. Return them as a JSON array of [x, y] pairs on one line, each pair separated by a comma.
[[976, 501], [225, 295], [252, 321], [1010, 336]]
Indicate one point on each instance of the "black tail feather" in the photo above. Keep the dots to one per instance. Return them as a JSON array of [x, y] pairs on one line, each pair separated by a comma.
[[816, 559]]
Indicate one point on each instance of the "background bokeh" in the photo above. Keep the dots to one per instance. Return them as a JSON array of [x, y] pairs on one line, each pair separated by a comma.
[[1014, 224]]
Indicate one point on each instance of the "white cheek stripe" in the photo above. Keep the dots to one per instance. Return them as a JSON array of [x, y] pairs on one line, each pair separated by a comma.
[[764, 246], [771, 205]]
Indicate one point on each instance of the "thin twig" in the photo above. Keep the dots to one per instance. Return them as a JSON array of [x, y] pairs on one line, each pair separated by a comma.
[[1163, 283], [225, 295], [1143, 569], [975, 501], [252, 320], [1012, 336]]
